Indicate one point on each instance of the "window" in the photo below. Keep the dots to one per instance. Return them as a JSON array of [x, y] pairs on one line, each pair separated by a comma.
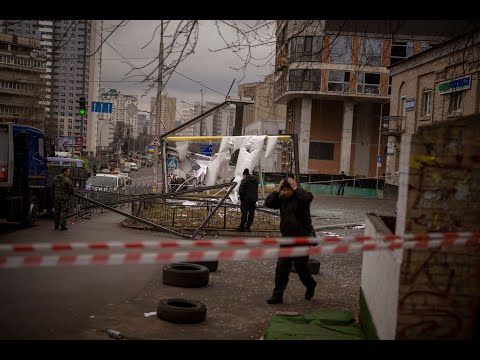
[[321, 150], [306, 48], [389, 85], [368, 83], [426, 102], [338, 80], [341, 50], [304, 80], [371, 52], [400, 51], [455, 103]]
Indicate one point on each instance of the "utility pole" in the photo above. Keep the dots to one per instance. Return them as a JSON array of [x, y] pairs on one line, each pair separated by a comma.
[[156, 156], [82, 116]]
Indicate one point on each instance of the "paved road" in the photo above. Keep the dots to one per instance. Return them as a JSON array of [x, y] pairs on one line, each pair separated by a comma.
[[51, 303]]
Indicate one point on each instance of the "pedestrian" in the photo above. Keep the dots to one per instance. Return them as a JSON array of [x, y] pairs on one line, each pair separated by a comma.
[[341, 184], [295, 220], [94, 170], [248, 192], [62, 189]]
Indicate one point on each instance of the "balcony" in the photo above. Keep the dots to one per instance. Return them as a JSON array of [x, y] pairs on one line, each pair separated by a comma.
[[393, 125]]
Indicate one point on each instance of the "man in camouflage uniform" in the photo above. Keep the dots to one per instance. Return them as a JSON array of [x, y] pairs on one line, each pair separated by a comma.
[[62, 191]]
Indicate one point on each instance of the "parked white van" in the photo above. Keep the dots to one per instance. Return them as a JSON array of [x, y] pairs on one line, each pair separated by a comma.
[[105, 182]]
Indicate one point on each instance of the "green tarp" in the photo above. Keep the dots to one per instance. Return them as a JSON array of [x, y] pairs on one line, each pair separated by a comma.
[[317, 325]]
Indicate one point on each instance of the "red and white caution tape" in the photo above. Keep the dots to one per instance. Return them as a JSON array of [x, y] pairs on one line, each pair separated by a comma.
[[225, 242], [228, 254]]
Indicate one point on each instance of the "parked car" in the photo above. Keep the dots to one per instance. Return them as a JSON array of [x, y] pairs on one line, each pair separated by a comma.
[[105, 182]]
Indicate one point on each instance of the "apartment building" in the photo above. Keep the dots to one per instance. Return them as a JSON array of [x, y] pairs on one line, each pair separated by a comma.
[[439, 84], [22, 82], [72, 70], [332, 75]]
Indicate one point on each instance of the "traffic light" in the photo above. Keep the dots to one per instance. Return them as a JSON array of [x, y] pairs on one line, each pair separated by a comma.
[[83, 105]]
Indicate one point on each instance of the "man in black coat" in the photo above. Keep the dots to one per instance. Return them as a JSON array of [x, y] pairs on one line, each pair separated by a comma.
[[248, 192], [294, 204]]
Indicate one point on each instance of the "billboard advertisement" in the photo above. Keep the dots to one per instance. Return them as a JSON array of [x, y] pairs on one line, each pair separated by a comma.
[[68, 143]]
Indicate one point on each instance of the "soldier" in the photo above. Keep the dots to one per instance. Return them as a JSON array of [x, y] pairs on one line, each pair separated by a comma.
[[62, 189]]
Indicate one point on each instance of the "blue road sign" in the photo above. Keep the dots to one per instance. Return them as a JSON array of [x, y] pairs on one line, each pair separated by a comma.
[[172, 163], [103, 107], [206, 149], [379, 158], [107, 107]]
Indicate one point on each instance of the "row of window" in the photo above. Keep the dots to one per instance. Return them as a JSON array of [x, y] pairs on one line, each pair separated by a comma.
[[16, 86], [14, 60], [371, 50], [454, 102], [338, 81]]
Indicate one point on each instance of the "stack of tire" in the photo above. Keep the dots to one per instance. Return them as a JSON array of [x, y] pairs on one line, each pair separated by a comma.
[[187, 275]]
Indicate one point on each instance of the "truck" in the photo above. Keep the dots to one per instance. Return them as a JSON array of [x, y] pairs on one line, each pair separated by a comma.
[[23, 173]]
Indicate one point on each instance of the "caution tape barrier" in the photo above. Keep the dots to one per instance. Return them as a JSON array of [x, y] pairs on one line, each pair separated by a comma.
[[227, 254], [225, 242]]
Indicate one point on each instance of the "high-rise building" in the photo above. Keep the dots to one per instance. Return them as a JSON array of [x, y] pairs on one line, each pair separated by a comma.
[[22, 82], [332, 75], [73, 67], [169, 110]]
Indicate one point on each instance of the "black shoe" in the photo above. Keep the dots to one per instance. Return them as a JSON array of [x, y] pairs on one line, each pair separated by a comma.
[[240, 229], [275, 300], [63, 228], [57, 226], [310, 292]]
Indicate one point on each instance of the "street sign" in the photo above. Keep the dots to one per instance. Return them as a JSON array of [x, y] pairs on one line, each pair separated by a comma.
[[155, 141], [131, 109], [206, 149], [410, 104], [379, 158], [172, 163], [102, 107]]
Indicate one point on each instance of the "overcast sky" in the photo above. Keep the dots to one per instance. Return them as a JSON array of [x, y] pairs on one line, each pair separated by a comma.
[[212, 69]]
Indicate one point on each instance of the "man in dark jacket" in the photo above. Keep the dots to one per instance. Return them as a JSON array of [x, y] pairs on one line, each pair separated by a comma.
[[294, 204], [248, 197], [63, 189]]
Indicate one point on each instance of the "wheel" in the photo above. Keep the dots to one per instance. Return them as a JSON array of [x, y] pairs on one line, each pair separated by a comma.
[[185, 275], [31, 213], [181, 311]]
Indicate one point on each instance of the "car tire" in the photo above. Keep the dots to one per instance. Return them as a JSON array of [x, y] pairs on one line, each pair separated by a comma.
[[181, 311], [185, 275], [31, 211]]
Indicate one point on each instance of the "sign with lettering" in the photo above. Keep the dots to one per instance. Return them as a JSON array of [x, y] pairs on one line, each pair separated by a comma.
[[410, 104], [458, 84]]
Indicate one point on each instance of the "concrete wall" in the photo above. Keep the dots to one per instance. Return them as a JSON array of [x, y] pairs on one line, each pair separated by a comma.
[[439, 192], [379, 282]]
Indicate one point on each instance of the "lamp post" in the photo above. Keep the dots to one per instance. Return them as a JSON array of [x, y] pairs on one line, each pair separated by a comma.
[[202, 122]]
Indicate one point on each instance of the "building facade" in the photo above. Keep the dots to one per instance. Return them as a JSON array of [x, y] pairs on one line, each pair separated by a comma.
[[169, 111], [73, 70], [332, 75], [22, 81], [439, 84]]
